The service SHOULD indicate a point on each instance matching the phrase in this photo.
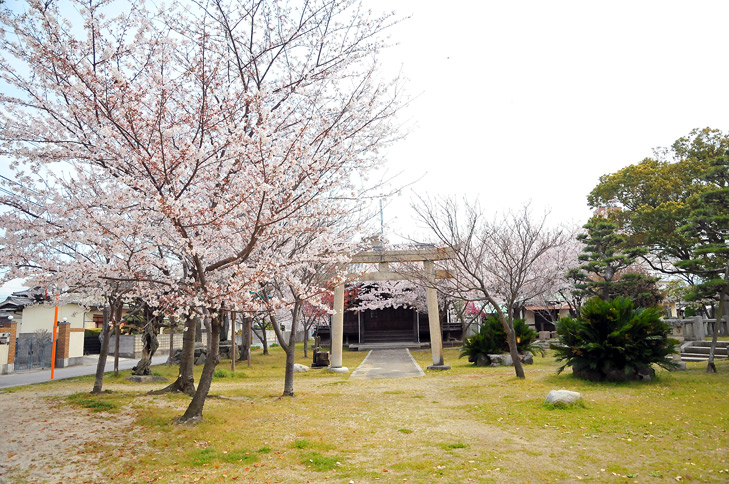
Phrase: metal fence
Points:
(33, 351)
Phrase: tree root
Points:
(176, 386)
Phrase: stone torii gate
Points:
(384, 257)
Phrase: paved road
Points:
(395, 363)
(88, 368)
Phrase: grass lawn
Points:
(464, 425)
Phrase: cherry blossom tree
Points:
(315, 266)
(496, 262)
(555, 266)
(52, 239)
(219, 128)
(391, 294)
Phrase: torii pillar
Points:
(436, 337)
(338, 331)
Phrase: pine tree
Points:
(604, 257)
(708, 225)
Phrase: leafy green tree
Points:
(653, 197)
(611, 340)
(657, 198)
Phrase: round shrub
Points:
(611, 340)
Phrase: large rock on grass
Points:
(563, 398)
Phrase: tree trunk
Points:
(510, 339)
(514, 351)
(723, 308)
(249, 326)
(104, 351)
(264, 340)
(711, 365)
(117, 336)
(306, 342)
(185, 382)
(289, 347)
(173, 323)
(225, 326)
(149, 347)
(246, 339)
(233, 343)
(194, 410)
(289, 378)
(198, 330)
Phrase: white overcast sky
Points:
(533, 100)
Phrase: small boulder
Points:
(495, 360)
(527, 358)
(201, 359)
(298, 368)
(645, 373)
(506, 360)
(562, 398)
(483, 360)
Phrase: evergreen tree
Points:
(604, 257)
(708, 226)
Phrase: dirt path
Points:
(45, 441)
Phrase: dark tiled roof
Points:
(20, 299)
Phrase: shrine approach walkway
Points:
(387, 363)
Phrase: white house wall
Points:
(40, 317)
(76, 345)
